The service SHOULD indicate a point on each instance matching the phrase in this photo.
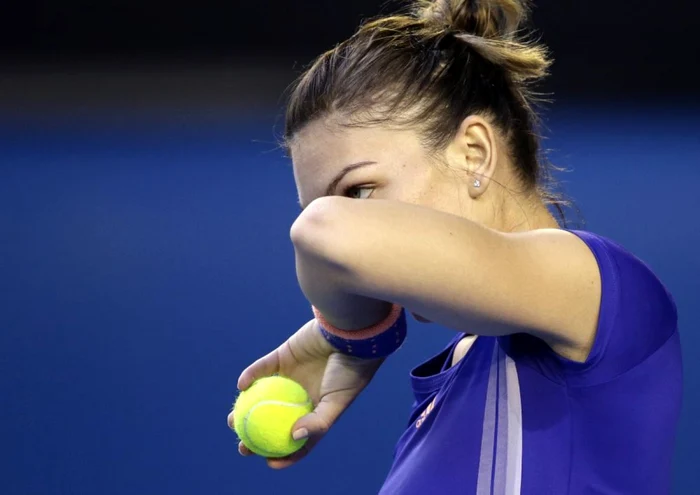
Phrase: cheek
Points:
(416, 184)
(446, 196)
(431, 194)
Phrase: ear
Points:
(475, 151)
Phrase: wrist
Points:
(375, 341)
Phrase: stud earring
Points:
(477, 183)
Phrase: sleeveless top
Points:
(513, 417)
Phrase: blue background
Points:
(145, 263)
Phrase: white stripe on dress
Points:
(483, 482)
(500, 472)
(502, 428)
(515, 430)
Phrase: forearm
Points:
(323, 280)
(322, 284)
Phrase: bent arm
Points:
(355, 257)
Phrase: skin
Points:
(412, 228)
(405, 171)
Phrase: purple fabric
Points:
(514, 417)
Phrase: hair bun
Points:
(491, 19)
(493, 29)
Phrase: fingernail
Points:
(300, 434)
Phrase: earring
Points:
(477, 183)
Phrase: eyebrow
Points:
(339, 176)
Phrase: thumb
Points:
(319, 421)
(312, 426)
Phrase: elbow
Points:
(312, 232)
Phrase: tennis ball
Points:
(265, 413)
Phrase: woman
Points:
(416, 161)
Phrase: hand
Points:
(332, 379)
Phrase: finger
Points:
(316, 423)
(230, 421)
(243, 450)
(285, 462)
(265, 366)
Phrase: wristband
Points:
(377, 341)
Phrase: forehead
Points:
(315, 149)
(322, 149)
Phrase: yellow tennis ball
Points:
(265, 413)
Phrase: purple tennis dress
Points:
(513, 417)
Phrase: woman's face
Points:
(383, 163)
(378, 163)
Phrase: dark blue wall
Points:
(144, 265)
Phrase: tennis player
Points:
(416, 158)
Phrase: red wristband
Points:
(365, 333)
(377, 341)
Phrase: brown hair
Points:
(431, 67)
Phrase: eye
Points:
(358, 192)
